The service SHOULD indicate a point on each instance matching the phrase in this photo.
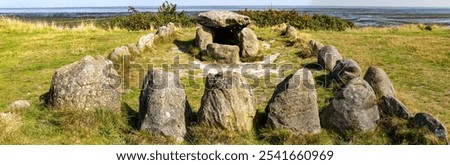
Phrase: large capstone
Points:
(222, 19)
(328, 56)
(91, 83)
(354, 108)
(379, 81)
(249, 43)
(228, 103)
(163, 107)
(226, 28)
(224, 54)
(293, 105)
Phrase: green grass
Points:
(417, 61)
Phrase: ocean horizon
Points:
(361, 16)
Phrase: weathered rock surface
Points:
(224, 54)
(290, 31)
(221, 19)
(328, 56)
(91, 83)
(391, 106)
(228, 102)
(145, 42)
(163, 107)
(249, 43)
(133, 50)
(379, 81)
(345, 70)
(316, 46)
(354, 108)
(119, 53)
(172, 27)
(294, 106)
(204, 36)
(163, 31)
(428, 121)
(19, 105)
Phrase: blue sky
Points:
(78, 3)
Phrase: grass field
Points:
(417, 61)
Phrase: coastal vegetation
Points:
(268, 18)
(167, 12)
(136, 20)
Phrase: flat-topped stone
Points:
(222, 19)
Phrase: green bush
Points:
(146, 20)
(167, 13)
(272, 17)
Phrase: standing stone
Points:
(354, 108)
(345, 70)
(328, 56)
(19, 105)
(316, 46)
(172, 27)
(163, 107)
(118, 54)
(163, 31)
(428, 121)
(133, 50)
(249, 43)
(293, 105)
(91, 83)
(391, 106)
(224, 54)
(379, 81)
(204, 36)
(145, 42)
(221, 19)
(228, 102)
(290, 31)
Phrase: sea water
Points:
(361, 16)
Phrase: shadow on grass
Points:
(323, 81)
(304, 54)
(132, 116)
(188, 46)
(313, 66)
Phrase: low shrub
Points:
(146, 20)
(167, 13)
(272, 17)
